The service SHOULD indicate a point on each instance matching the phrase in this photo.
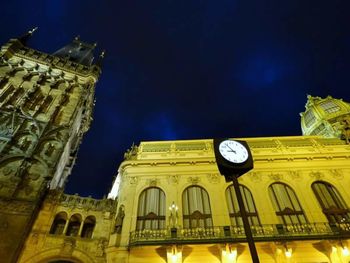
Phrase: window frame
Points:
(142, 218)
(287, 212)
(335, 214)
(200, 218)
(236, 215)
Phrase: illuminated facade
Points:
(45, 108)
(178, 208)
(168, 202)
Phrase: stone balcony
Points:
(233, 234)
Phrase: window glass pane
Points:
(309, 118)
(151, 209)
(196, 207)
(286, 204)
(294, 201)
(233, 206)
(329, 106)
(331, 202)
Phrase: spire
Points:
(27, 35)
(100, 58)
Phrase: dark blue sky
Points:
(192, 69)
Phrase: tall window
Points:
(286, 204)
(88, 227)
(151, 209)
(196, 208)
(233, 207)
(58, 224)
(333, 205)
(74, 225)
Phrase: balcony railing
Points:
(218, 234)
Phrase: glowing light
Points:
(345, 251)
(232, 255)
(173, 207)
(334, 249)
(288, 253)
(174, 258)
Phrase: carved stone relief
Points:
(35, 238)
(68, 246)
(152, 182)
(316, 175)
(276, 176)
(193, 180)
(213, 178)
(295, 175)
(16, 207)
(173, 179)
(255, 176)
(101, 245)
(133, 180)
(337, 173)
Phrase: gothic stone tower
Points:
(46, 102)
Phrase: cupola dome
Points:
(328, 117)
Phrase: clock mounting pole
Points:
(244, 216)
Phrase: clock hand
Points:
(231, 149)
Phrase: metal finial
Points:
(27, 35)
(100, 58)
(102, 55)
(33, 30)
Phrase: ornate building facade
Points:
(168, 202)
(45, 108)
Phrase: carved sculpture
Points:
(119, 220)
(346, 129)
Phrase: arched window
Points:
(58, 224)
(88, 227)
(286, 204)
(233, 207)
(151, 209)
(73, 225)
(333, 205)
(196, 208)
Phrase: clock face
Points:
(233, 151)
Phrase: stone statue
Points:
(119, 220)
(131, 153)
(346, 129)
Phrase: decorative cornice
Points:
(16, 207)
(76, 201)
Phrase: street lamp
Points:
(173, 219)
(173, 214)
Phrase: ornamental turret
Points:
(327, 117)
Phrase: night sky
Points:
(191, 69)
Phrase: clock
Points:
(233, 151)
(233, 157)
